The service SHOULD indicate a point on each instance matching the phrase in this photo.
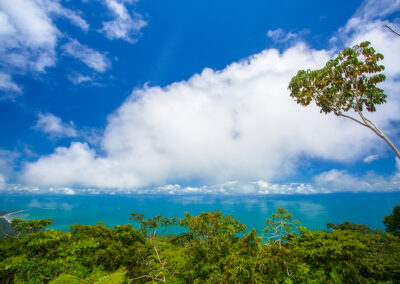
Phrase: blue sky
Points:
(186, 97)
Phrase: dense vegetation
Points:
(215, 249)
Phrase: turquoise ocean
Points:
(313, 211)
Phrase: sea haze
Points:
(313, 211)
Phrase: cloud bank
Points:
(238, 123)
(235, 124)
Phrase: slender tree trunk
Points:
(369, 124)
(379, 132)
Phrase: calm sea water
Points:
(313, 211)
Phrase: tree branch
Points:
(392, 30)
(352, 118)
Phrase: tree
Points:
(392, 222)
(350, 226)
(280, 225)
(149, 228)
(356, 257)
(32, 226)
(346, 83)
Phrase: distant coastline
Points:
(6, 215)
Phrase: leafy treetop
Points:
(344, 83)
(347, 82)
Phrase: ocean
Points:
(313, 211)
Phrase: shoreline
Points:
(7, 218)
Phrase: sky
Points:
(187, 97)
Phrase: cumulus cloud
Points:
(53, 125)
(238, 123)
(92, 58)
(235, 124)
(125, 25)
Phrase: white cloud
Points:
(78, 79)
(371, 158)
(54, 7)
(340, 181)
(239, 123)
(236, 124)
(92, 58)
(52, 125)
(29, 37)
(373, 9)
(6, 28)
(124, 26)
(8, 87)
(235, 188)
(280, 36)
(7, 164)
(27, 189)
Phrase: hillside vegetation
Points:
(216, 248)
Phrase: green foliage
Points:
(392, 221)
(150, 226)
(68, 279)
(159, 271)
(39, 256)
(357, 258)
(210, 239)
(32, 226)
(117, 277)
(280, 225)
(346, 82)
(335, 277)
(215, 249)
(350, 226)
(209, 226)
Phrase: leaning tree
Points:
(347, 82)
